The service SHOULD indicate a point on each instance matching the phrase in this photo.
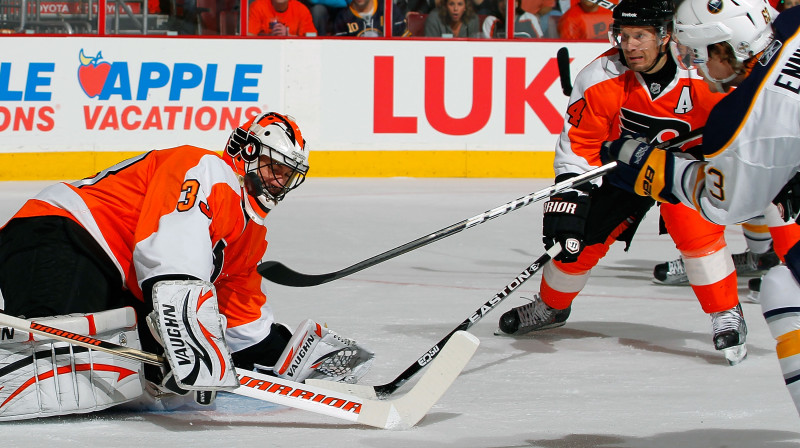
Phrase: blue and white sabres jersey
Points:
(752, 137)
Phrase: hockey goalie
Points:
(158, 253)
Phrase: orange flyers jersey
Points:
(167, 212)
(608, 99)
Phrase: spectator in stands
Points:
(526, 25)
(456, 18)
(585, 20)
(784, 4)
(482, 7)
(323, 12)
(280, 18)
(425, 6)
(364, 18)
(548, 12)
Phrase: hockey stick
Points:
(384, 390)
(400, 413)
(281, 274)
(81, 340)
(562, 57)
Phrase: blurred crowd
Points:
(533, 19)
(583, 20)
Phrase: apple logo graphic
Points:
(92, 74)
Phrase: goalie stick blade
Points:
(329, 398)
(444, 369)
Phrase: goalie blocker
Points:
(186, 321)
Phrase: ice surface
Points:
(633, 368)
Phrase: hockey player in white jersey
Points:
(751, 142)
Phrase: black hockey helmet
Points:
(655, 13)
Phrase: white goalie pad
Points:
(40, 377)
(318, 353)
(187, 322)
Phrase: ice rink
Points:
(633, 368)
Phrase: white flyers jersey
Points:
(609, 99)
(752, 137)
(174, 211)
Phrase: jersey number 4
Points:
(575, 112)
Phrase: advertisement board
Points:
(380, 105)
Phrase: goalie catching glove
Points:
(316, 352)
(565, 221)
(642, 168)
(187, 323)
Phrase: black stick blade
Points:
(562, 57)
(279, 273)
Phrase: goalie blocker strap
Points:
(187, 322)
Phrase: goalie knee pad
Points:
(40, 377)
(317, 352)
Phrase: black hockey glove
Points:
(564, 221)
(788, 200)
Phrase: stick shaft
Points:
(79, 339)
(279, 273)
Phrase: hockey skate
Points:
(749, 264)
(670, 273)
(533, 316)
(730, 334)
(754, 289)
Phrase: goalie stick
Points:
(281, 274)
(400, 413)
(387, 389)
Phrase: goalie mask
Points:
(270, 157)
(745, 25)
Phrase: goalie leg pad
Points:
(187, 322)
(317, 352)
(40, 377)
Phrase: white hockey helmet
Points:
(746, 25)
(271, 143)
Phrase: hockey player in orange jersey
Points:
(176, 235)
(634, 88)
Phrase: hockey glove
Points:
(788, 200)
(642, 168)
(564, 221)
(318, 353)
